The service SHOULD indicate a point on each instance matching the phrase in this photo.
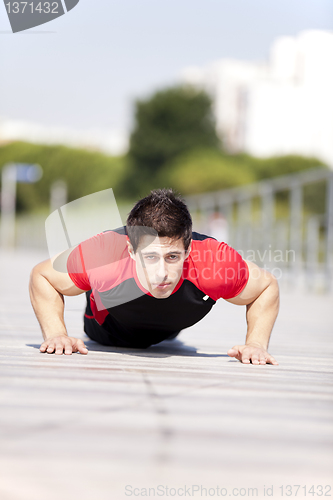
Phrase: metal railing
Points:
(298, 248)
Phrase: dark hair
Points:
(161, 212)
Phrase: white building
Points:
(283, 106)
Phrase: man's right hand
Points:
(63, 344)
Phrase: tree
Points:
(167, 124)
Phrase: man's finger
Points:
(79, 346)
(272, 360)
(43, 347)
(68, 347)
(234, 351)
(59, 348)
(262, 359)
(245, 357)
(50, 348)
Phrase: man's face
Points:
(159, 264)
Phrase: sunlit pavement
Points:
(178, 419)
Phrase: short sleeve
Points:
(97, 260)
(217, 269)
(76, 269)
(235, 272)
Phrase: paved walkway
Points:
(179, 414)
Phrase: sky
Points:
(85, 69)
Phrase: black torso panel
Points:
(180, 310)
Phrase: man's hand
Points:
(261, 297)
(250, 352)
(47, 288)
(63, 344)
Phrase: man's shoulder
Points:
(203, 245)
(100, 250)
(201, 237)
(105, 239)
(206, 249)
(119, 230)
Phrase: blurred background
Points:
(228, 102)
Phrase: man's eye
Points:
(173, 257)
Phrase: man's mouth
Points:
(161, 286)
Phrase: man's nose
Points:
(162, 270)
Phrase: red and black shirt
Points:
(102, 264)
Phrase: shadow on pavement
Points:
(163, 349)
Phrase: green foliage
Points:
(85, 172)
(204, 170)
(167, 124)
(266, 168)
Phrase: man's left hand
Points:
(251, 353)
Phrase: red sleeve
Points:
(86, 265)
(235, 272)
(217, 269)
(76, 269)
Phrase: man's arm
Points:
(261, 297)
(47, 288)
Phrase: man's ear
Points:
(187, 253)
(130, 249)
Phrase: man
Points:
(146, 282)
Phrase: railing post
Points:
(296, 219)
(244, 216)
(312, 251)
(8, 202)
(281, 246)
(225, 207)
(329, 234)
(268, 219)
(206, 208)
